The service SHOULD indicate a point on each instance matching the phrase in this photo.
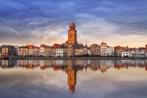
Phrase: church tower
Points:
(72, 35)
(72, 39)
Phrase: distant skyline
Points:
(116, 22)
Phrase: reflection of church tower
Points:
(146, 68)
(71, 76)
(72, 39)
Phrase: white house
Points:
(105, 50)
(59, 52)
(133, 53)
(138, 53)
(45, 50)
(126, 54)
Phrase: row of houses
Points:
(134, 53)
(102, 50)
(57, 50)
(61, 50)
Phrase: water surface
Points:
(73, 78)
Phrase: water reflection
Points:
(72, 67)
(102, 65)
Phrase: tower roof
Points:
(72, 24)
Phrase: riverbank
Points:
(78, 58)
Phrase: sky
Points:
(116, 22)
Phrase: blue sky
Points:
(46, 21)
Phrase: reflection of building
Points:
(71, 76)
(72, 67)
(146, 68)
(72, 39)
(7, 64)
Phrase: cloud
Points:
(46, 21)
(99, 29)
(50, 35)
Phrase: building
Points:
(146, 50)
(0, 55)
(72, 35)
(103, 49)
(126, 54)
(28, 50)
(72, 39)
(82, 52)
(118, 50)
(133, 52)
(140, 52)
(33, 50)
(59, 52)
(23, 51)
(95, 50)
(106, 50)
(146, 47)
(46, 51)
(8, 50)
